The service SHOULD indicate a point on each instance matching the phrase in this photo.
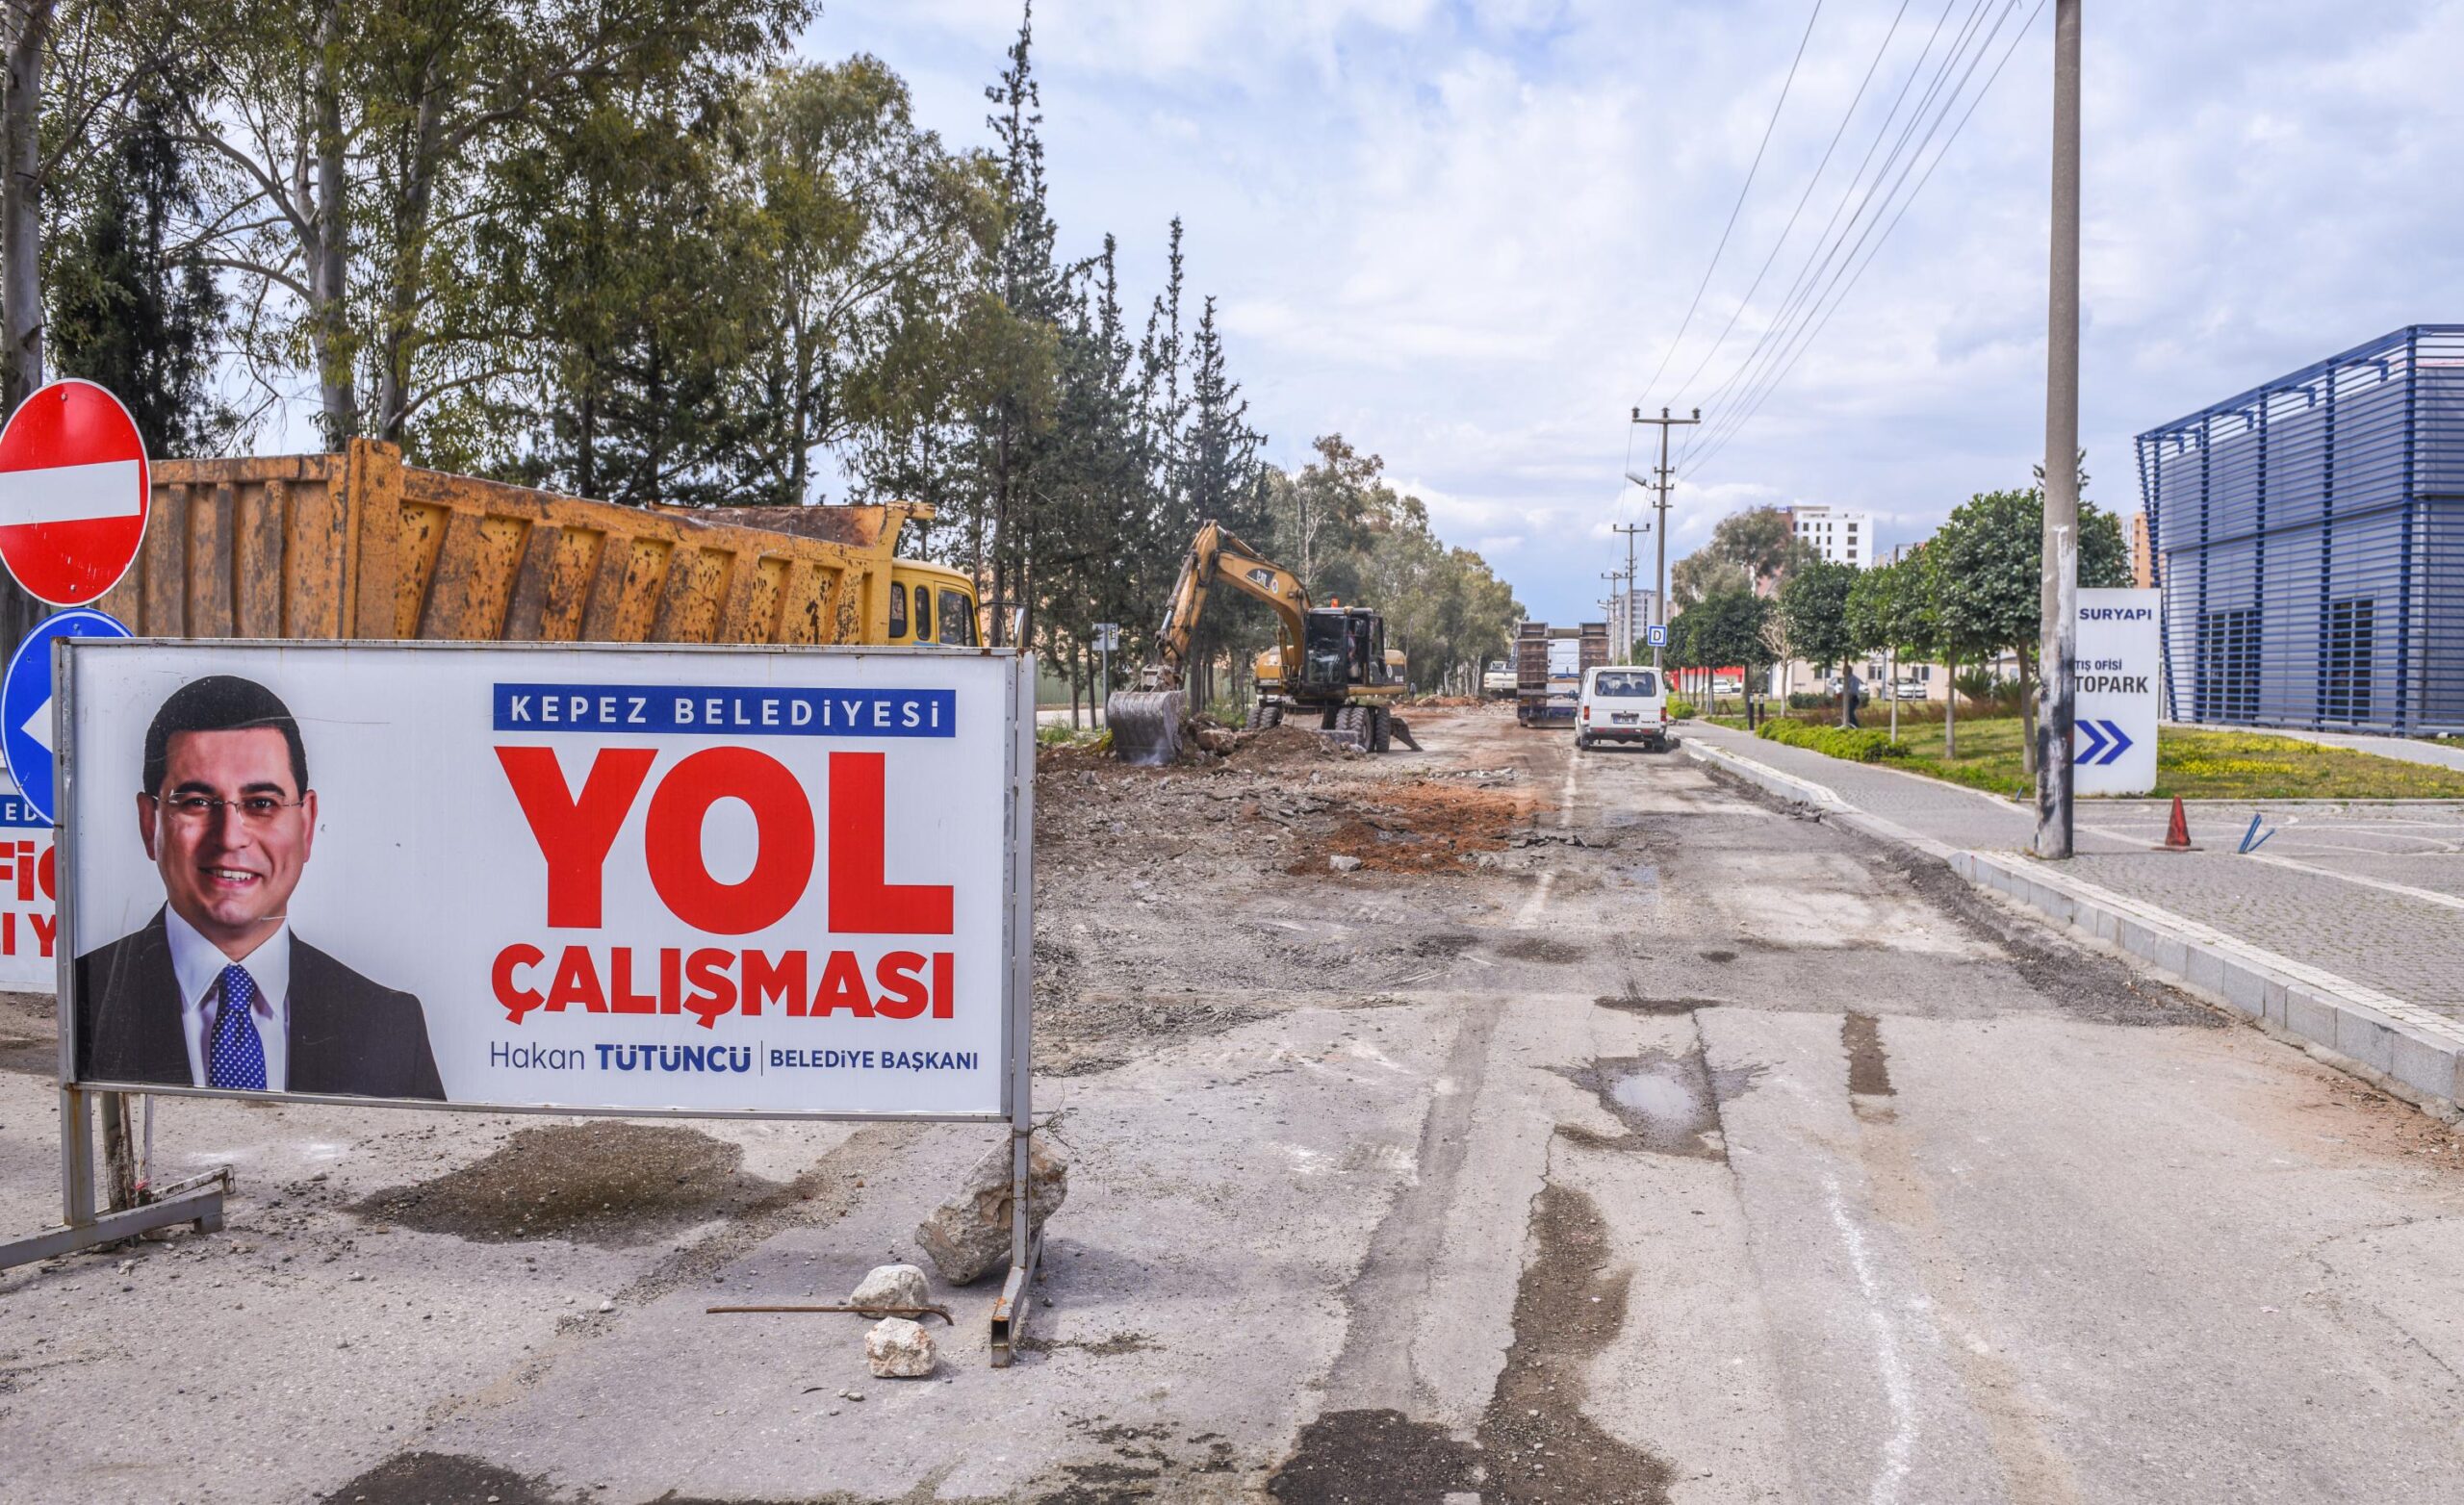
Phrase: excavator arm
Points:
(1214, 555)
(1146, 722)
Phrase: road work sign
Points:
(27, 881)
(73, 493)
(669, 879)
(2120, 663)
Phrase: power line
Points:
(1820, 275)
(1802, 199)
(1977, 99)
(1819, 255)
(1733, 210)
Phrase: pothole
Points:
(1669, 1105)
(1868, 1063)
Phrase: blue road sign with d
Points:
(25, 702)
(1655, 635)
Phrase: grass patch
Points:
(2197, 764)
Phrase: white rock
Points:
(898, 1349)
(891, 1286)
(1343, 864)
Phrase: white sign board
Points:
(26, 884)
(2119, 666)
(701, 880)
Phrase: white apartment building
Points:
(1629, 612)
(1837, 536)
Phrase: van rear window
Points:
(1626, 682)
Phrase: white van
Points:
(1621, 704)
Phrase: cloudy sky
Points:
(1466, 235)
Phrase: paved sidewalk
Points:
(2372, 893)
(2411, 750)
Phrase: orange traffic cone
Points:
(2177, 836)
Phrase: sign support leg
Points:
(199, 1203)
(1017, 1292)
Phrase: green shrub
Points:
(1681, 710)
(1871, 745)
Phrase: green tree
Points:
(1986, 586)
(131, 307)
(1736, 628)
(1813, 618)
(353, 139)
(863, 220)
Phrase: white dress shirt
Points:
(199, 963)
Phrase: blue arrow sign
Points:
(25, 702)
(2106, 742)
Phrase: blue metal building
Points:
(2309, 540)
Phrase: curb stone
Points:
(2404, 1050)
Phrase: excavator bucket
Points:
(1146, 726)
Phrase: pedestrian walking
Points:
(1851, 689)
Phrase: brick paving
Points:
(2320, 911)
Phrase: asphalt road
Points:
(1678, 1149)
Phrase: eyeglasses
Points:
(194, 809)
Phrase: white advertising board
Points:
(2119, 667)
(701, 880)
(26, 884)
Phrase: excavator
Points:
(1330, 662)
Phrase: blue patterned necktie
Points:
(238, 1060)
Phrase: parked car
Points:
(1621, 705)
(1909, 689)
(1498, 681)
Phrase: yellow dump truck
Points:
(358, 545)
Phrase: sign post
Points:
(1107, 636)
(2121, 660)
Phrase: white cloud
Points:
(1462, 235)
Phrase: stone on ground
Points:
(898, 1349)
(891, 1286)
(968, 1235)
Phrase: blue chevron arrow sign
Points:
(2106, 742)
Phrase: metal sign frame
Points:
(198, 1200)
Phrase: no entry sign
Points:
(73, 493)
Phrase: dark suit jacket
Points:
(347, 1034)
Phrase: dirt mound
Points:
(1418, 827)
(611, 1184)
(1281, 746)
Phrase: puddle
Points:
(1718, 956)
(610, 1184)
(1669, 1105)
(1868, 1063)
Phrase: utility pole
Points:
(2058, 581)
(1660, 578)
(1629, 530)
(1620, 606)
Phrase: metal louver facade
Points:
(2309, 539)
